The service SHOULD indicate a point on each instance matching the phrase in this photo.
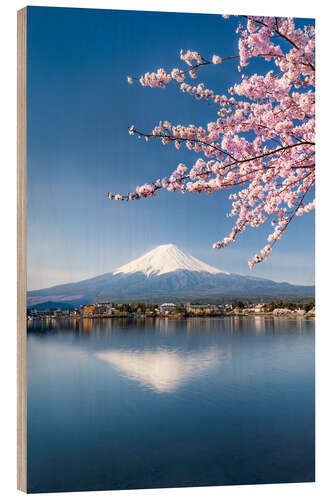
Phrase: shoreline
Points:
(174, 316)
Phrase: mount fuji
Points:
(161, 274)
(166, 259)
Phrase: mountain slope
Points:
(165, 272)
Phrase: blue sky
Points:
(79, 109)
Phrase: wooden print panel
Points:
(21, 249)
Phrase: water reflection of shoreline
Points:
(227, 325)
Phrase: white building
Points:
(281, 312)
(167, 308)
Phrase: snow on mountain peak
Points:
(166, 259)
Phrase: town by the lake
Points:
(106, 309)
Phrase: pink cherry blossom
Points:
(216, 59)
(262, 142)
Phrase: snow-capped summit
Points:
(166, 259)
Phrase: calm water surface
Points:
(119, 404)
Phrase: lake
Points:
(126, 403)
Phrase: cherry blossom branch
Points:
(268, 248)
(213, 146)
(172, 138)
(261, 109)
(278, 32)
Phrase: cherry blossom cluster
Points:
(263, 138)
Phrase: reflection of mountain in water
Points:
(161, 370)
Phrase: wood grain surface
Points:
(21, 249)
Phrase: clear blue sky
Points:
(79, 110)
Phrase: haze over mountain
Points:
(165, 273)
